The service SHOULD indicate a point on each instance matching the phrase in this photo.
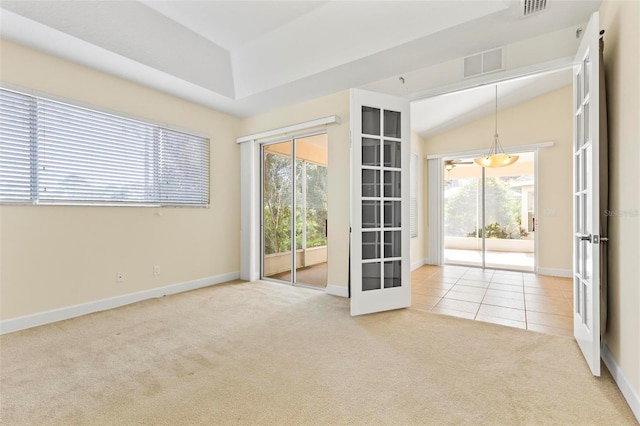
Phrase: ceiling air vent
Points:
(530, 7)
(483, 63)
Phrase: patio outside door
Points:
(294, 211)
(489, 214)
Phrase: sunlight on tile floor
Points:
(516, 299)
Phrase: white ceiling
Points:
(245, 57)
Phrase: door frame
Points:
(250, 189)
(517, 149)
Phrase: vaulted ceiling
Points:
(244, 57)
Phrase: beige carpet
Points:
(264, 353)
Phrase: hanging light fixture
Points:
(496, 157)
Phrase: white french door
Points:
(586, 178)
(380, 153)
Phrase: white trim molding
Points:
(416, 265)
(625, 386)
(41, 318)
(497, 77)
(565, 273)
(479, 152)
(332, 119)
(337, 290)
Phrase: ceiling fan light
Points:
(496, 160)
(510, 159)
(483, 161)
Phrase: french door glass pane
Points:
(381, 180)
(392, 274)
(370, 152)
(392, 124)
(392, 244)
(392, 157)
(370, 214)
(370, 121)
(586, 76)
(371, 245)
(370, 183)
(371, 276)
(578, 87)
(392, 217)
(392, 185)
(579, 128)
(586, 123)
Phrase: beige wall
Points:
(418, 243)
(621, 20)
(57, 256)
(338, 169)
(542, 119)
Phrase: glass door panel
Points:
(294, 211)
(463, 213)
(381, 199)
(489, 214)
(311, 211)
(277, 206)
(510, 215)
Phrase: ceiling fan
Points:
(450, 164)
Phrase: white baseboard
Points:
(565, 273)
(33, 320)
(417, 264)
(625, 386)
(427, 261)
(337, 290)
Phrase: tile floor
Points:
(516, 299)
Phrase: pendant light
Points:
(496, 157)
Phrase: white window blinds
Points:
(17, 154)
(56, 153)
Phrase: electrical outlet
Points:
(156, 269)
(119, 277)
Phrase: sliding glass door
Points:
(294, 211)
(489, 214)
(463, 192)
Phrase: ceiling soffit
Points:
(247, 47)
(245, 57)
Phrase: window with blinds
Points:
(56, 153)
